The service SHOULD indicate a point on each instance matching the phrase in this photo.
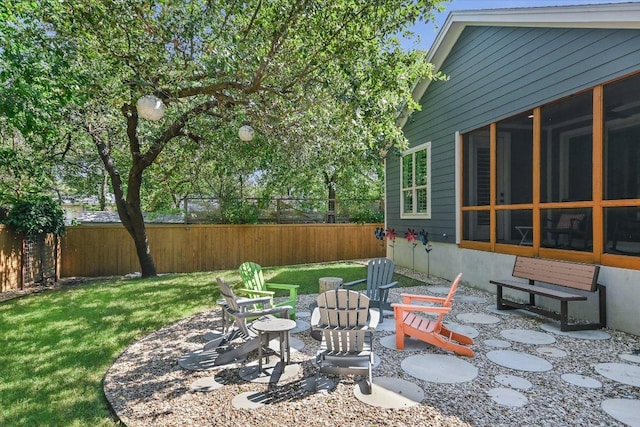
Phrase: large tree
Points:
(297, 71)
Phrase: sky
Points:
(429, 30)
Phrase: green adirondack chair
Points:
(255, 286)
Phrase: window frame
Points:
(598, 204)
(413, 188)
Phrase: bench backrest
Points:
(561, 273)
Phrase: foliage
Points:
(367, 216)
(321, 82)
(33, 215)
(79, 331)
(239, 212)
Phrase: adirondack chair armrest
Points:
(421, 308)
(388, 286)
(407, 298)
(281, 285)
(252, 292)
(243, 302)
(374, 319)
(355, 282)
(283, 311)
(315, 317)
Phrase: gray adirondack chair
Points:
(238, 339)
(347, 325)
(379, 281)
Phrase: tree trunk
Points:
(130, 213)
(330, 182)
(129, 208)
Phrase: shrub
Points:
(36, 215)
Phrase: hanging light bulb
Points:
(150, 107)
(246, 133)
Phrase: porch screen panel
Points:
(477, 184)
(622, 166)
(567, 150)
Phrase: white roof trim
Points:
(610, 15)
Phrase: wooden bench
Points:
(566, 275)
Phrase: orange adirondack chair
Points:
(431, 331)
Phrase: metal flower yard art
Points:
(390, 234)
(424, 238)
(411, 237)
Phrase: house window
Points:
(416, 182)
(559, 181)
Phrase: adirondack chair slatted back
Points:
(379, 272)
(232, 306)
(347, 312)
(252, 277)
(448, 302)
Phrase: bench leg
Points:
(499, 300)
(602, 305)
(564, 316)
(499, 304)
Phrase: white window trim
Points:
(414, 215)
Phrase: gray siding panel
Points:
(496, 72)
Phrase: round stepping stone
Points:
(514, 381)
(492, 309)
(620, 372)
(498, 343)
(470, 299)
(295, 344)
(301, 326)
(591, 334)
(272, 372)
(250, 400)
(319, 385)
(551, 351)
(212, 335)
(410, 344)
(443, 290)
(633, 358)
(388, 326)
(391, 393)
(519, 361)
(581, 380)
(303, 314)
(508, 397)
(462, 329)
(626, 411)
(203, 360)
(477, 318)
(439, 368)
(205, 384)
(527, 336)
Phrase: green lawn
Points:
(57, 345)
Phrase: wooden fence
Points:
(10, 256)
(105, 250)
(27, 261)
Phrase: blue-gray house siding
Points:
(494, 73)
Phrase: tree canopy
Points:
(321, 82)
